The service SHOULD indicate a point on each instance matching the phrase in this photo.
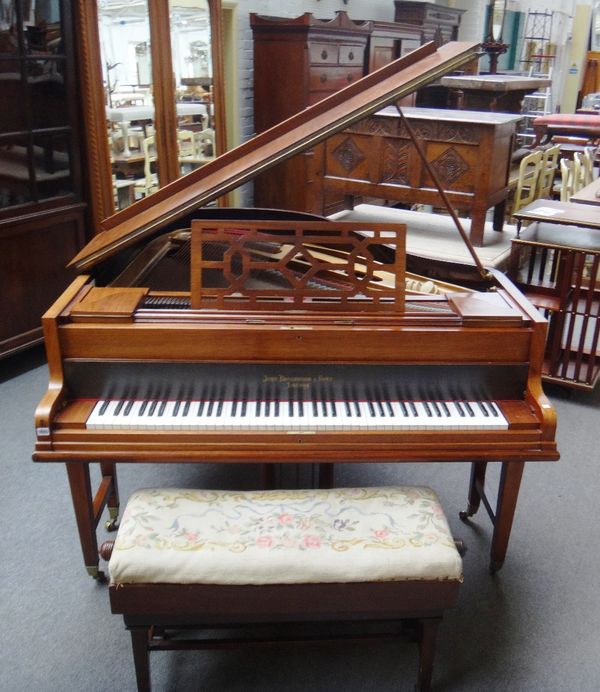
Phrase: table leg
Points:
(499, 212)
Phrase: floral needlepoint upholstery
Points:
(284, 537)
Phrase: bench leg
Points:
(141, 658)
(427, 637)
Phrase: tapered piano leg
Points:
(109, 471)
(508, 492)
(476, 483)
(83, 503)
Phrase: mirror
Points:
(595, 38)
(145, 153)
(193, 70)
(497, 13)
(493, 46)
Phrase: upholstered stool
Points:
(203, 558)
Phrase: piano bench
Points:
(198, 559)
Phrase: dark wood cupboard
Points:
(299, 61)
(41, 205)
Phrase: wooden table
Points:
(590, 194)
(491, 92)
(562, 213)
(131, 166)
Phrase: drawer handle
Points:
(351, 55)
(324, 55)
(323, 78)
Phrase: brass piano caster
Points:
(96, 573)
(468, 513)
(112, 524)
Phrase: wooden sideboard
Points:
(375, 158)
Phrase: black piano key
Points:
(413, 408)
(324, 408)
(209, 408)
(143, 407)
(118, 407)
(380, 409)
(348, 409)
(403, 407)
(371, 408)
(290, 405)
(244, 408)
(162, 407)
(128, 407)
(390, 410)
(276, 407)
(200, 407)
(483, 408)
(427, 409)
(436, 409)
(176, 407)
(152, 407)
(104, 407)
(186, 408)
(469, 409)
(333, 409)
(445, 409)
(267, 408)
(495, 411)
(357, 409)
(460, 409)
(219, 408)
(234, 404)
(315, 408)
(257, 412)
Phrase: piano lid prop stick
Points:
(484, 273)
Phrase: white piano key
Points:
(308, 415)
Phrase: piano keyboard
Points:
(294, 416)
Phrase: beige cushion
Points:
(283, 537)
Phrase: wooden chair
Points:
(579, 172)
(527, 181)
(209, 559)
(547, 172)
(565, 187)
(588, 160)
(149, 183)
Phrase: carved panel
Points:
(348, 155)
(395, 162)
(294, 265)
(450, 166)
(375, 126)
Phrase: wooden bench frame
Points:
(150, 609)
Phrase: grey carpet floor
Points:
(534, 626)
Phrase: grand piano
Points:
(154, 358)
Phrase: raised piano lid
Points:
(290, 137)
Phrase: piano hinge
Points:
(256, 321)
(343, 322)
(42, 432)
